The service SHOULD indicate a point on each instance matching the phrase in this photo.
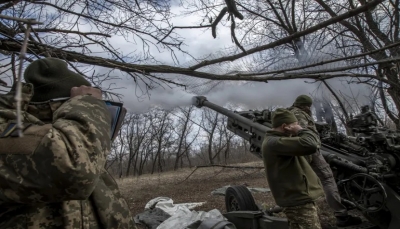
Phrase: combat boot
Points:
(273, 210)
(345, 221)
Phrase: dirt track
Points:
(198, 187)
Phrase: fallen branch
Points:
(223, 166)
(232, 167)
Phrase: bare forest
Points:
(159, 141)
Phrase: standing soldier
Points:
(293, 183)
(302, 110)
(54, 176)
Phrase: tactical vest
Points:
(8, 125)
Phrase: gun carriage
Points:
(366, 167)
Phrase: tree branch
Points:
(329, 61)
(287, 39)
(54, 30)
(23, 20)
(13, 46)
(338, 100)
(183, 27)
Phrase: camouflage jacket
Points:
(54, 176)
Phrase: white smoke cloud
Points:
(252, 95)
(163, 98)
(248, 95)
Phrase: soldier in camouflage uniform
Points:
(293, 183)
(54, 176)
(302, 110)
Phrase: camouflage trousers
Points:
(324, 173)
(303, 216)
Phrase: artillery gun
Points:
(366, 167)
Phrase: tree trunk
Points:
(183, 135)
(131, 155)
(394, 93)
(319, 112)
(329, 116)
(188, 158)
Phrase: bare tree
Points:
(83, 29)
(209, 125)
(162, 125)
(371, 31)
(120, 148)
(185, 126)
(66, 39)
(117, 153)
(150, 142)
(218, 140)
(76, 30)
(229, 137)
(364, 32)
(137, 128)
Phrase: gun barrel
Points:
(200, 101)
(246, 128)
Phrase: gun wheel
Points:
(366, 193)
(239, 198)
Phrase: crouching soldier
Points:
(54, 176)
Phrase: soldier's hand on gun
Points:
(293, 129)
(85, 90)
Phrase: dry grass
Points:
(197, 188)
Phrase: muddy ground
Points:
(182, 188)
